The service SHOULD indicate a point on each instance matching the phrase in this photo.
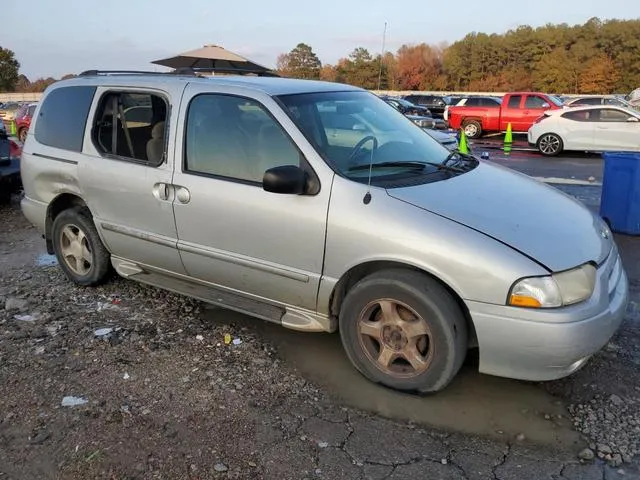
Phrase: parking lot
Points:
(167, 397)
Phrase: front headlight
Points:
(557, 290)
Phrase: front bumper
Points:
(539, 345)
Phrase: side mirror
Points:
(546, 105)
(633, 119)
(287, 179)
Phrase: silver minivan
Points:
(319, 207)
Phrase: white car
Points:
(595, 129)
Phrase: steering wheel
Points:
(360, 144)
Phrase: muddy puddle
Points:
(473, 403)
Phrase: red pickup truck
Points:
(521, 109)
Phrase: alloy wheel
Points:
(76, 250)
(395, 338)
(549, 144)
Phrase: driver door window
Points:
(234, 138)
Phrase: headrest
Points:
(157, 131)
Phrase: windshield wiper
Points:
(406, 164)
(461, 157)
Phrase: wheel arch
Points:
(62, 202)
(356, 273)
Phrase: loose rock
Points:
(586, 454)
(14, 303)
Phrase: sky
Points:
(55, 37)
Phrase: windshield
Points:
(352, 129)
(621, 102)
(556, 101)
(405, 103)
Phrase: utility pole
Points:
(384, 39)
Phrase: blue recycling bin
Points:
(620, 201)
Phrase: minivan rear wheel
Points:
(78, 248)
(404, 330)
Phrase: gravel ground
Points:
(167, 398)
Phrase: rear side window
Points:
(514, 101)
(474, 102)
(581, 116)
(132, 126)
(63, 117)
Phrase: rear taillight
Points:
(540, 118)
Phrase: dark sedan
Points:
(435, 103)
(407, 107)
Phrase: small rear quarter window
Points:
(63, 117)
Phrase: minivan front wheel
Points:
(404, 330)
(78, 248)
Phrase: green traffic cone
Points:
(12, 128)
(463, 147)
(508, 140)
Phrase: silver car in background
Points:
(319, 207)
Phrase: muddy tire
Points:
(78, 248)
(404, 330)
(550, 144)
(472, 128)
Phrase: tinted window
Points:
(514, 101)
(614, 101)
(581, 115)
(610, 115)
(131, 125)
(489, 102)
(533, 101)
(473, 102)
(588, 101)
(63, 117)
(236, 138)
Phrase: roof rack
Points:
(193, 71)
(91, 73)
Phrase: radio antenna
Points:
(367, 196)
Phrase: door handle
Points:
(162, 191)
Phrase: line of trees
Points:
(597, 57)
(11, 80)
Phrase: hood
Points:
(538, 220)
